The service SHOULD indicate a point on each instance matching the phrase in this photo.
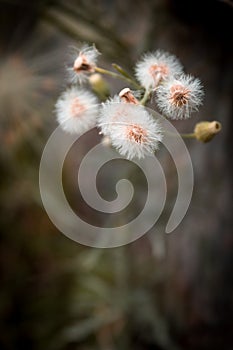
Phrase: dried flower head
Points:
(131, 129)
(177, 98)
(76, 110)
(155, 67)
(127, 96)
(83, 62)
(99, 86)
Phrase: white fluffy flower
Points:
(83, 62)
(109, 113)
(131, 129)
(155, 67)
(76, 110)
(177, 98)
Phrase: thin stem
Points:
(145, 97)
(184, 136)
(116, 75)
(188, 136)
(88, 16)
(125, 74)
(108, 72)
(61, 25)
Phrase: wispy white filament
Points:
(155, 67)
(177, 98)
(87, 55)
(131, 129)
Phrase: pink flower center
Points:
(160, 70)
(81, 64)
(76, 108)
(136, 133)
(179, 95)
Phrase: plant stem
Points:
(145, 97)
(116, 75)
(125, 74)
(184, 136)
(188, 136)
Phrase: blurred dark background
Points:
(162, 292)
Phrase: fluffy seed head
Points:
(83, 62)
(131, 129)
(177, 98)
(109, 114)
(76, 110)
(155, 67)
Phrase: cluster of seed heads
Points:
(123, 119)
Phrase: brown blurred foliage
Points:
(161, 292)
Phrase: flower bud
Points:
(99, 85)
(205, 131)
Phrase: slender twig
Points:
(188, 136)
(74, 13)
(145, 97)
(116, 75)
(184, 136)
(123, 72)
(61, 25)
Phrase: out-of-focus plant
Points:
(55, 294)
